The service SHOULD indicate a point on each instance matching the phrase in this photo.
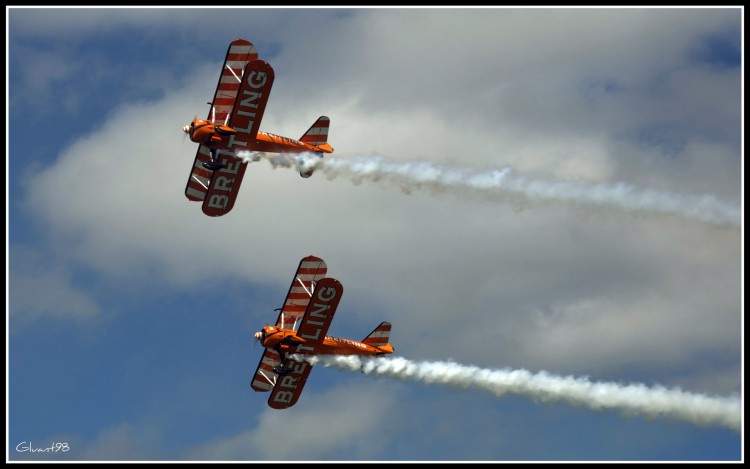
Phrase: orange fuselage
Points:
(220, 137)
(287, 341)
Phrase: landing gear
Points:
(214, 164)
(281, 369)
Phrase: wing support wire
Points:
(309, 293)
(294, 326)
(199, 181)
(235, 75)
(272, 382)
(239, 80)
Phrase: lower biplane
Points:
(232, 126)
(301, 329)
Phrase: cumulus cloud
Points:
(542, 287)
(347, 419)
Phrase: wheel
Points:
(279, 370)
(214, 166)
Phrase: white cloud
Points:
(350, 418)
(38, 289)
(456, 276)
(121, 442)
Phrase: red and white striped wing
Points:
(239, 53)
(311, 269)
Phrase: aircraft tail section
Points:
(379, 337)
(317, 134)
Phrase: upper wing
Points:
(250, 104)
(310, 270)
(239, 53)
(319, 314)
(245, 118)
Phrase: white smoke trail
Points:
(507, 185)
(631, 399)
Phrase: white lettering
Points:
(283, 396)
(218, 201)
(232, 165)
(256, 79)
(223, 183)
(233, 141)
(316, 316)
(327, 294)
(288, 381)
(253, 96)
(304, 348)
(24, 447)
(246, 130)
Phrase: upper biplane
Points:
(233, 125)
(301, 329)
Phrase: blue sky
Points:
(131, 314)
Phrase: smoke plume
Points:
(507, 185)
(631, 399)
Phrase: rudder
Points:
(379, 337)
(317, 134)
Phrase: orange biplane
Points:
(301, 329)
(232, 126)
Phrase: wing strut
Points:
(235, 75)
(199, 182)
(312, 283)
(270, 381)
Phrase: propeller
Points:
(259, 336)
(186, 128)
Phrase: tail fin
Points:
(379, 337)
(317, 135)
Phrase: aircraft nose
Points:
(186, 129)
(257, 335)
